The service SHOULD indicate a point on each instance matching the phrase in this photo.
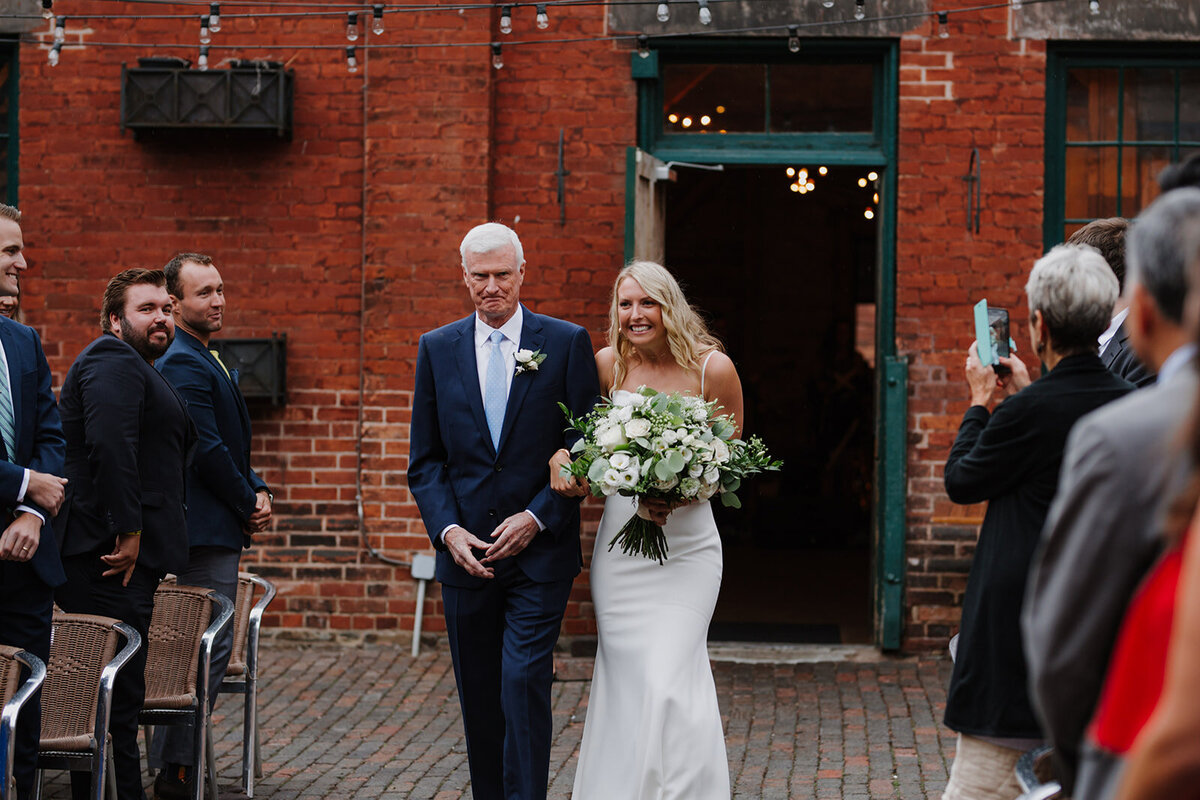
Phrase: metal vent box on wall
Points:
(261, 365)
(166, 94)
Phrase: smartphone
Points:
(998, 333)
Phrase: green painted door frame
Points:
(876, 149)
(10, 52)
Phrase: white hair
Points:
(488, 238)
(1074, 289)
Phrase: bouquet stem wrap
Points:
(641, 536)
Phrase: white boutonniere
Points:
(528, 361)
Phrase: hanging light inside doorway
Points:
(794, 38)
(1016, 5)
(663, 13)
(827, 3)
(705, 12)
(869, 213)
(1094, 7)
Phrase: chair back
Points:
(10, 673)
(81, 646)
(181, 616)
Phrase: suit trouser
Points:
(26, 605)
(213, 568)
(502, 638)
(88, 592)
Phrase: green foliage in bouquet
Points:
(671, 447)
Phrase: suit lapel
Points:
(468, 371)
(531, 339)
(1116, 345)
(225, 380)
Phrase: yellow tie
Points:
(222, 363)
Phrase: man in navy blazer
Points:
(227, 500)
(122, 526)
(484, 426)
(30, 492)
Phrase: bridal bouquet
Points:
(671, 447)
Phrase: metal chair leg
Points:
(148, 733)
(211, 764)
(112, 775)
(37, 785)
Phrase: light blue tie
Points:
(8, 427)
(495, 389)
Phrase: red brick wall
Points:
(345, 238)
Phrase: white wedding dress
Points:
(653, 729)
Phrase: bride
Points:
(653, 729)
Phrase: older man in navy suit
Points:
(30, 492)
(227, 500)
(484, 426)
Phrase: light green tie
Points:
(8, 428)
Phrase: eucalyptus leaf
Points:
(730, 500)
(597, 470)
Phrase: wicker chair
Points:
(14, 693)
(186, 621)
(1035, 774)
(77, 696)
(241, 677)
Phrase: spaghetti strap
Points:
(703, 368)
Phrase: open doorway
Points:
(782, 260)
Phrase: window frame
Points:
(1060, 60)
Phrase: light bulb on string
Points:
(543, 19)
(705, 12)
(351, 27)
(214, 17)
(47, 9)
(202, 62)
(205, 30)
(643, 45)
(943, 21)
(1016, 5)
(506, 19)
(352, 59)
(794, 38)
(60, 30)
(663, 13)
(52, 56)
(377, 19)
(1094, 7)
(860, 12)
(827, 3)
(497, 56)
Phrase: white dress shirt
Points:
(25, 478)
(1111, 331)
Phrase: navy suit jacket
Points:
(455, 473)
(39, 439)
(128, 440)
(221, 487)
(1123, 362)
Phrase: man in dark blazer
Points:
(122, 527)
(227, 501)
(31, 458)
(483, 431)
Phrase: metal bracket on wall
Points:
(974, 179)
(561, 173)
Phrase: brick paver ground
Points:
(372, 722)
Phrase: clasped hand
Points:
(510, 537)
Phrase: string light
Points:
(860, 12)
(644, 46)
(497, 56)
(943, 21)
(377, 19)
(202, 62)
(793, 38)
(214, 17)
(352, 27)
(47, 9)
(705, 13)
(827, 3)
(1016, 5)
(1094, 7)
(506, 19)
(205, 28)
(352, 59)
(543, 19)
(663, 13)
(52, 56)
(60, 30)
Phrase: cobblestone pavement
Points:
(372, 722)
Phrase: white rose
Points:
(620, 461)
(707, 491)
(695, 470)
(712, 475)
(609, 437)
(670, 437)
(622, 414)
(524, 356)
(688, 439)
(626, 399)
(720, 451)
(689, 487)
(637, 399)
(700, 414)
(680, 433)
(637, 428)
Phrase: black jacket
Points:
(1011, 459)
(1123, 362)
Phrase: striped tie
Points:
(8, 426)
(495, 389)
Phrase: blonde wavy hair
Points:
(687, 335)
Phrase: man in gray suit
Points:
(1123, 465)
